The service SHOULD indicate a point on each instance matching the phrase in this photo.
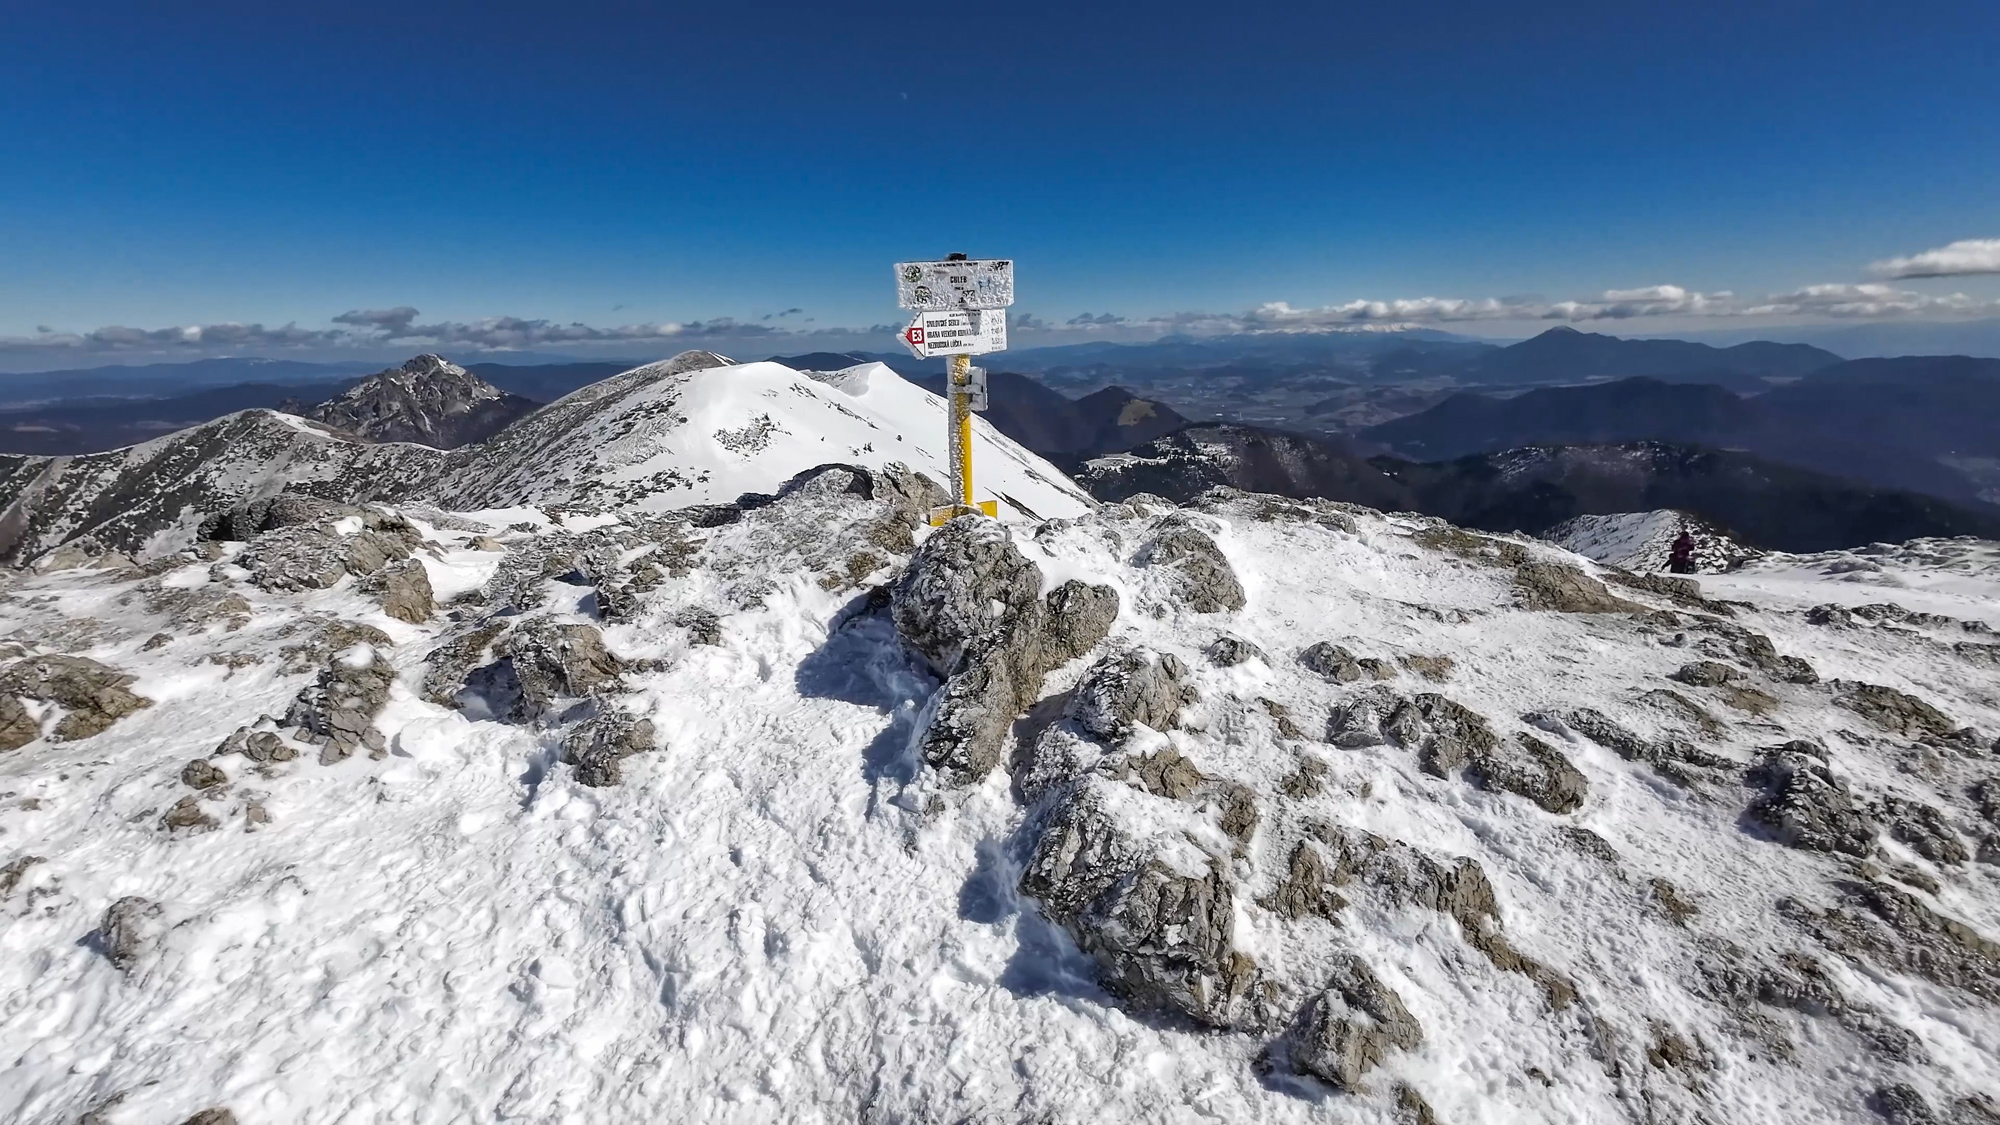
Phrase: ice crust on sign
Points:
(769, 912)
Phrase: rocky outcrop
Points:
(1341, 666)
(1352, 1027)
(1893, 710)
(1203, 580)
(1897, 930)
(315, 556)
(1160, 923)
(970, 604)
(538, 663)
(1533, 769)
(598, 745)
(1136, 687)
(1806, 805)
(129, 930)
(337, 711)
(406, 592)
(92, 696)
(1228, 650)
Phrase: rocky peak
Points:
(428, 399)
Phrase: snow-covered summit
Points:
(700, 431)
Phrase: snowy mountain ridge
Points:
(695, 429)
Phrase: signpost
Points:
(961, 308)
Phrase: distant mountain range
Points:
(1762, 504)
(1887, 422)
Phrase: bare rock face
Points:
(1675, 758)
(1165, 938)
(596, 746)
(970, 605)
(1565, 589)
(1899, 931)
(1204, 580)
(1352, 1026)
(1893, 710)
(1924, 829)
(406, 592)
(1076, 616)
(92, 696)
(1807, 805)
(316, 557)
(1535, 770)
(17, 727)
(130, 928)
(539, 662)
(287, 509)
(337, 711)
(1341, 666)
(960, 586)
(1707, 673)
(1131, 687)
(1228, 650)
(1444, 734)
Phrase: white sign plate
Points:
(956, 333)
(986, 283)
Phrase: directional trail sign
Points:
(985, 283)
(956, 333)
(961, 309)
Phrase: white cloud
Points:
(1960, 259)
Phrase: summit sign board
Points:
(984, 283)
(956, 333)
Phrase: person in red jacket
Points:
(1681, 559)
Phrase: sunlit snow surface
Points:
(759, 925)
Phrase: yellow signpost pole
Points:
(961, 430)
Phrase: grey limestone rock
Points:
(1444, 734)
(1076, 616)
(337, 710)
(959, 585)
(1540, 585)
(200, 774)
(129, 929)
(1352, 1027)
(1204, 580)
(1706, 673)
(1341, 666)
(539, 662)
(1533, 769)
(598, 745)
(406, 592)
(1229, 650)
(1807, 805)
(1893, 710)
(1165, 938)
(1897, 930)
(92, 696)
(1924, 829)
(1133, 687)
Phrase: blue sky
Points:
(1178, 165)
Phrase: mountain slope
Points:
(1767, 505)
(1188, 462)
(1426, 825)
(427, 400)
(149, 498)
(699, 429)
